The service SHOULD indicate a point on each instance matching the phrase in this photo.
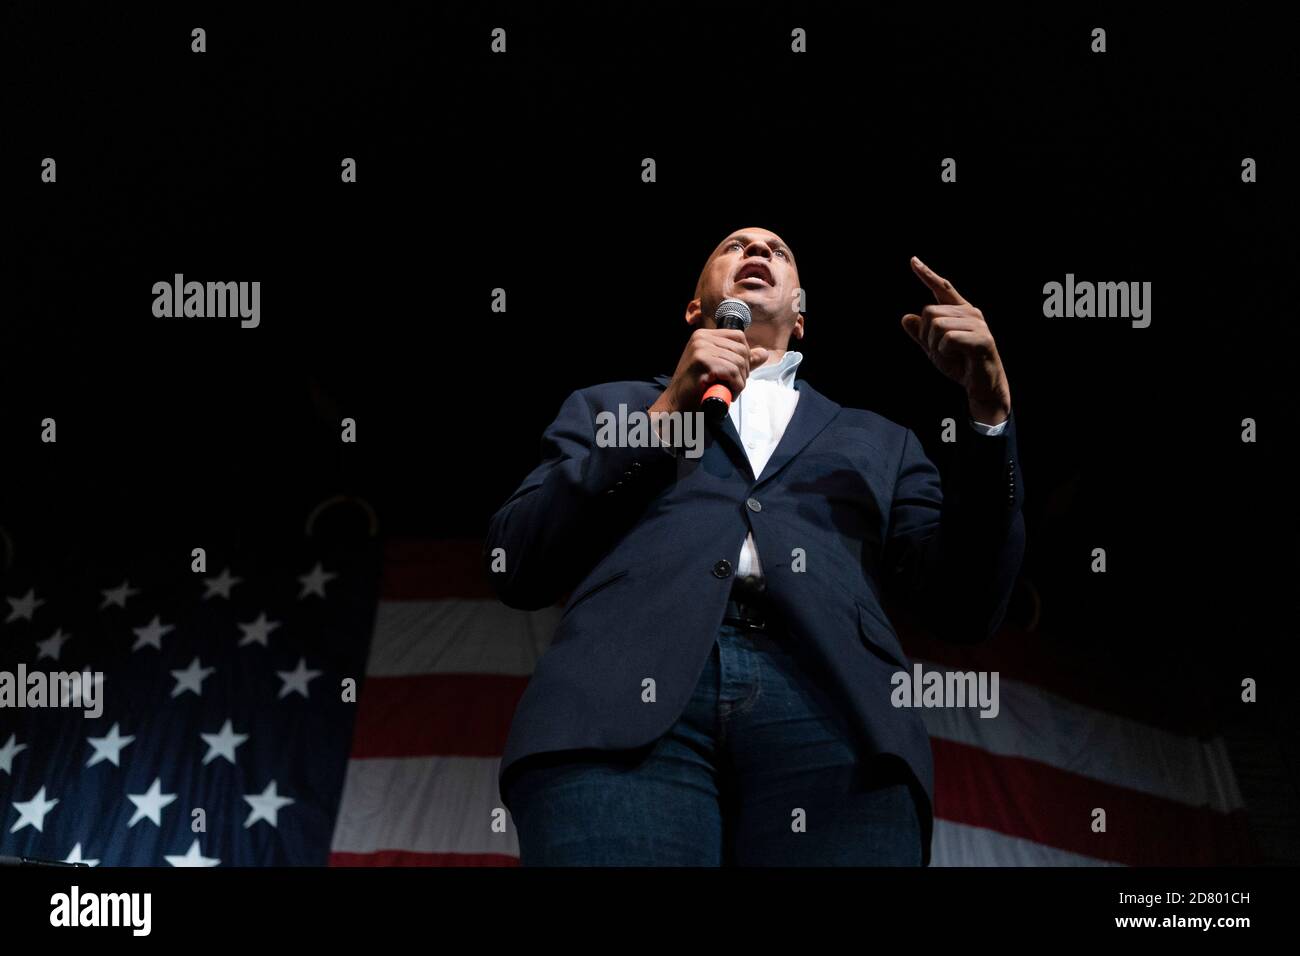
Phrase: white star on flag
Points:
(220, 585)
(108, 748)
(257, 631)
(32, 812)
(295, 681)
(151, 634)
(10, 750)
(116, 597)
(22, 609)
(150, 804)
(313, 582)
(265, 806)
(52, 645)
(76, 857)
(191, 678)
(223, 743)
(193, 857)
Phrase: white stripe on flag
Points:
(1038, 725)
(422, 805)
(458, 636)
(956, 844)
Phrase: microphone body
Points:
(731, 314)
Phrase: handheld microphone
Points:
(731, 314)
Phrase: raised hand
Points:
(957, 340)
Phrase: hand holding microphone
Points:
(714, 365)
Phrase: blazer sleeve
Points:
(955, 546)
(570, 509)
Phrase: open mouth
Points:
(755, 270)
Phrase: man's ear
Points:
(694, 313)
(798, 326)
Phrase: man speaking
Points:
(718, 689)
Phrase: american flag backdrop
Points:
(258, 735)
(224, 733)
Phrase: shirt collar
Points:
(781, 372)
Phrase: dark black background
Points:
(522, 171)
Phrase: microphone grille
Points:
(733, 314)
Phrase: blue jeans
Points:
(763, 738)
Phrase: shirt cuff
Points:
(989, 430)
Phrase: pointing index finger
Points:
(944, 292)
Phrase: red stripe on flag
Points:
(407, 858)
(418, 569)
(981, 789)
(1068, 671)
(462, 715)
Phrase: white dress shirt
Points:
(761, 413)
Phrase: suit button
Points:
(722, 569)
(636, 466)
(753, 505)
(627, 475)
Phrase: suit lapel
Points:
(724, 432)
(812, 413)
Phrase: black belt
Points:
(748, 606)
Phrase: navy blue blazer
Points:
(645, 545)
